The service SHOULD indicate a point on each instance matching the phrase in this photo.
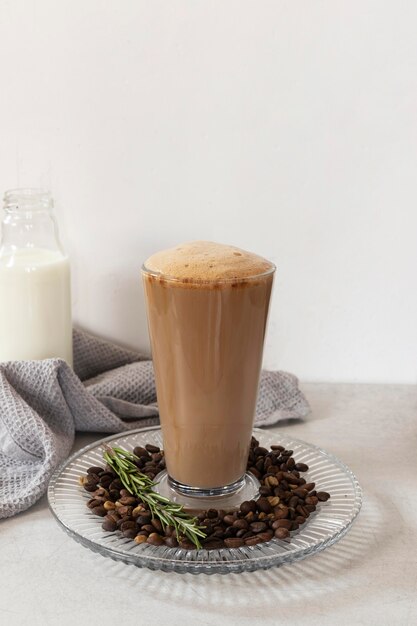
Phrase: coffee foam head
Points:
(206, 261)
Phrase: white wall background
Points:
(288, 128)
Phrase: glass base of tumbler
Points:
(195, 499)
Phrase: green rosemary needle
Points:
(138, 484)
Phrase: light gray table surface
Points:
(369, 577)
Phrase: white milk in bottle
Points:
(35, 291)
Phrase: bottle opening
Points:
(27, 199)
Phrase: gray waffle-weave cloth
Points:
(111, 389)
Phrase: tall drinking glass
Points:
(207, 335)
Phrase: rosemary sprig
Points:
(138, 484)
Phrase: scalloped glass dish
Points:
(331, 521)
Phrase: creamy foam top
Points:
(205, 260)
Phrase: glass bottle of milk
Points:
(35, 291)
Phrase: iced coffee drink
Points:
(207, 310)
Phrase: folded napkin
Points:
(111, 389)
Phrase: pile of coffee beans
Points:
(285, 502)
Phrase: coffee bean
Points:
(109, 525)
(234, 542)
(260, 464)
(266, 536)
(293, 501)
(212, 544)
(209, 528)
(259, 451)
(277, 447)
(116, 484)
(300, 492)
(169, 531)
(143, 519)
(99, 510)
(150, 448)
(207, 522)
(171, 542)
(95, 470)
(301, 467)
(127, 525)
(218, 534)
(113, 515)
(228, 519)
(90, 486)
(108, 472)
(252, 541)
(247, 506)
(139, 452)
(149, 467)
(309, 487)
(282, 523)
(302, 510)
(281, 511)
(282, 533)
(212, 513)
(216, 522)
(109, 505)
(93, 502)
(258, 527)
(240, 524)
(273, 500)
(149, 528)
(114, 494)
(271, 481)
(263, 505)
(310, 507)
(311, 500)
(323, 496)
(129, 533)
(155, 540)
(140, 539)
(157, 525)
(106, 480)
(247, 534)
(125, 510)
(137, 511)
(300, 520)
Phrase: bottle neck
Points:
(28, 221)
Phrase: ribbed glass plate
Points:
(327, 525)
